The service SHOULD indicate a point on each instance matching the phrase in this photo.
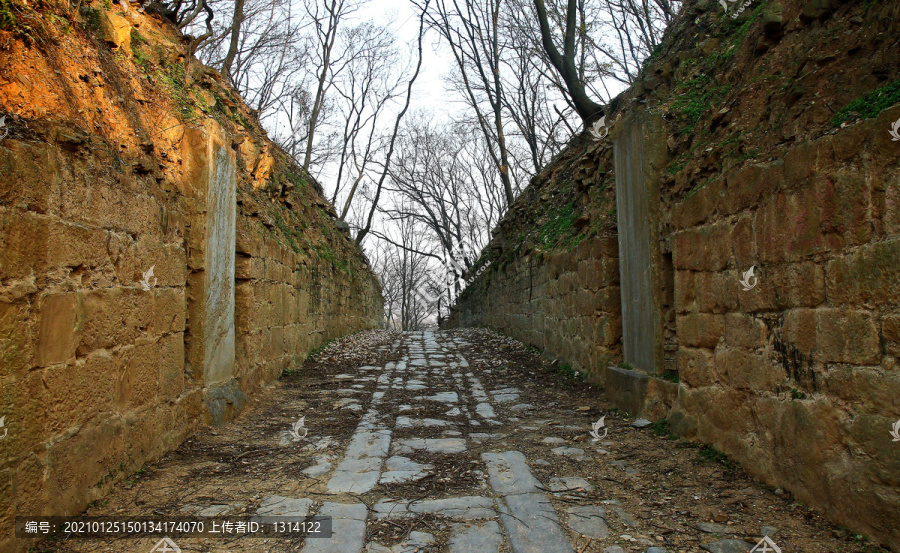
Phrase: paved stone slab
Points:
(626, 519)
(641, 423)
(553, 440)
(505, 398)
(402, 469)
(531, 524)
(348, 527)
(570, 484)
(476, 538)
(588, 520)
(407, 422)
(568, 451)
(431, 445)
(485, 410)
(280, 506)
(522, 407)
(322, 466)
(466, 507)
(445, 397)
(509, 473)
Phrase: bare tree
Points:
(327, 17)
(472, 30)
(564, 62)
(366, 227)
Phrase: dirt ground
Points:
(656, 491)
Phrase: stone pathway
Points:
(441, 444)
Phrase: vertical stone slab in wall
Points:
(640, 156)
(219, 286)
(210, 180)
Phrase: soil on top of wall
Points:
(118, 84)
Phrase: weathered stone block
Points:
(704, 249)
(685, 291)
(743, 369)
(77, 392)
(746, 331)
(58, 331)
(846, 336)
(717, 292)
(696, 367)
(784, 286)
(700, 329)
(692, 210)
(870, 275)
(31, 174)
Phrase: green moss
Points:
(716, 456)
(670, 376)
(662, 428)
(7, 16)
(558, 225)
(91, 17)
(870, 105)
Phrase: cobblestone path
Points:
(455, 442)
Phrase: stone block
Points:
(31, 175)
(115, 29)
(692, 210)
(717, 292)
(77, 392)
(626, 389)
(113, 317)
(745, 331)
(17, 347)
(706, 248)
(784, 286)
(834, 335)
(58, 329)
(870, 275)
(845, 336)
(745, 251)
(696, 367)
(77, 464)
(787, 226)
(685, 291)
(700, 329)
(37, 244)
(742, 369)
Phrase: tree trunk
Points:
(235, 36)
(564, 63)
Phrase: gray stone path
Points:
(512, 511)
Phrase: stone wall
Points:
(103, 368)
(798, 378)
(565, 303)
